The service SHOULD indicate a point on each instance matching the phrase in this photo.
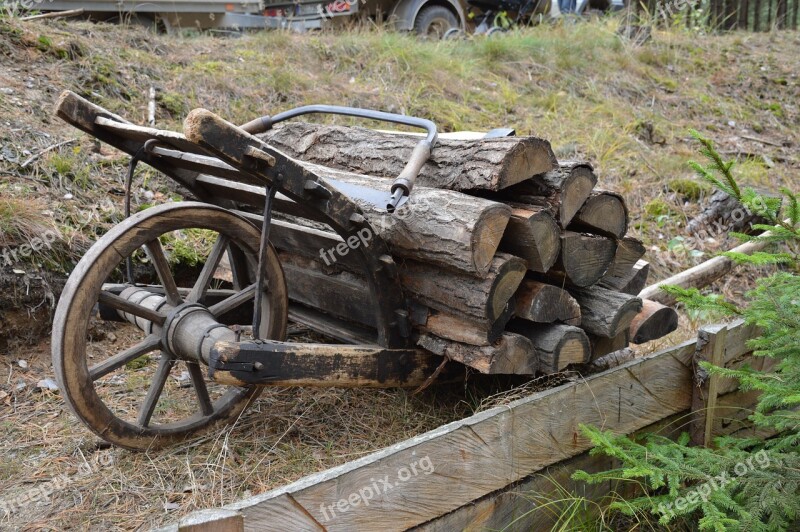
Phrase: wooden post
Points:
(710, 348)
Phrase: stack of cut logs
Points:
(513, 262)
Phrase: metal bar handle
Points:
(403, 183)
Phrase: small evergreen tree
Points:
(742, 483)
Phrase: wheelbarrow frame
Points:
(223, 165)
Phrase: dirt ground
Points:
(624, 108)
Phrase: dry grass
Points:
(624, 108)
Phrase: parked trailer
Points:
(427, 17)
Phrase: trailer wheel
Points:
(434, 22)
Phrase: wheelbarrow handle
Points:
(403, 183)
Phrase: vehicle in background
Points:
(427, 17)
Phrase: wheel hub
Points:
(190, 332)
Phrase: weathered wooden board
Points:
(485, 452)
(489, 464)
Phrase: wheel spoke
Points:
(200, 287)
(230, 303)
(119, 303)
(239, 270)
(200, 388)
(156, 253)
(151, 343)
(156, 387)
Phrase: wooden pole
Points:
(710, 348)
(55, 14)
(701, 275)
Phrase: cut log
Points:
(584, 258)
(458, 328)
(545, 303)
(605, 312)
(556, 345)
(512, 354)
(486, 164)
(637, 279)
(602, 346)
(654, 321)
(629, 250)
(563, 190)
(466, 309)
(630, 282)
(438, 226)
(484, 299)
(604, 213)
(533, 235)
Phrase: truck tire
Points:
(434, 21)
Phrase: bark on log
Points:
(533, 235)
(545, 303)
(563, 190)
(654, 321)
(604, 213)
(485, 164)
(512, 354)
(613, 359)
(438, 226)
(584, 258)
(556, 345)
(605, 312)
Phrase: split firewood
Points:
(545, 303)
(631, 282)
(604, 213)
(556, 345)
(654, 321)
(483, 164)
(602, 346)
(629, 250)
(563, 190)
(584, 258)
(533, 235)
(605, 312)
(512, 354)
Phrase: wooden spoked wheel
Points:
(123, 378)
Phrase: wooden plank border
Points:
(428, 476)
